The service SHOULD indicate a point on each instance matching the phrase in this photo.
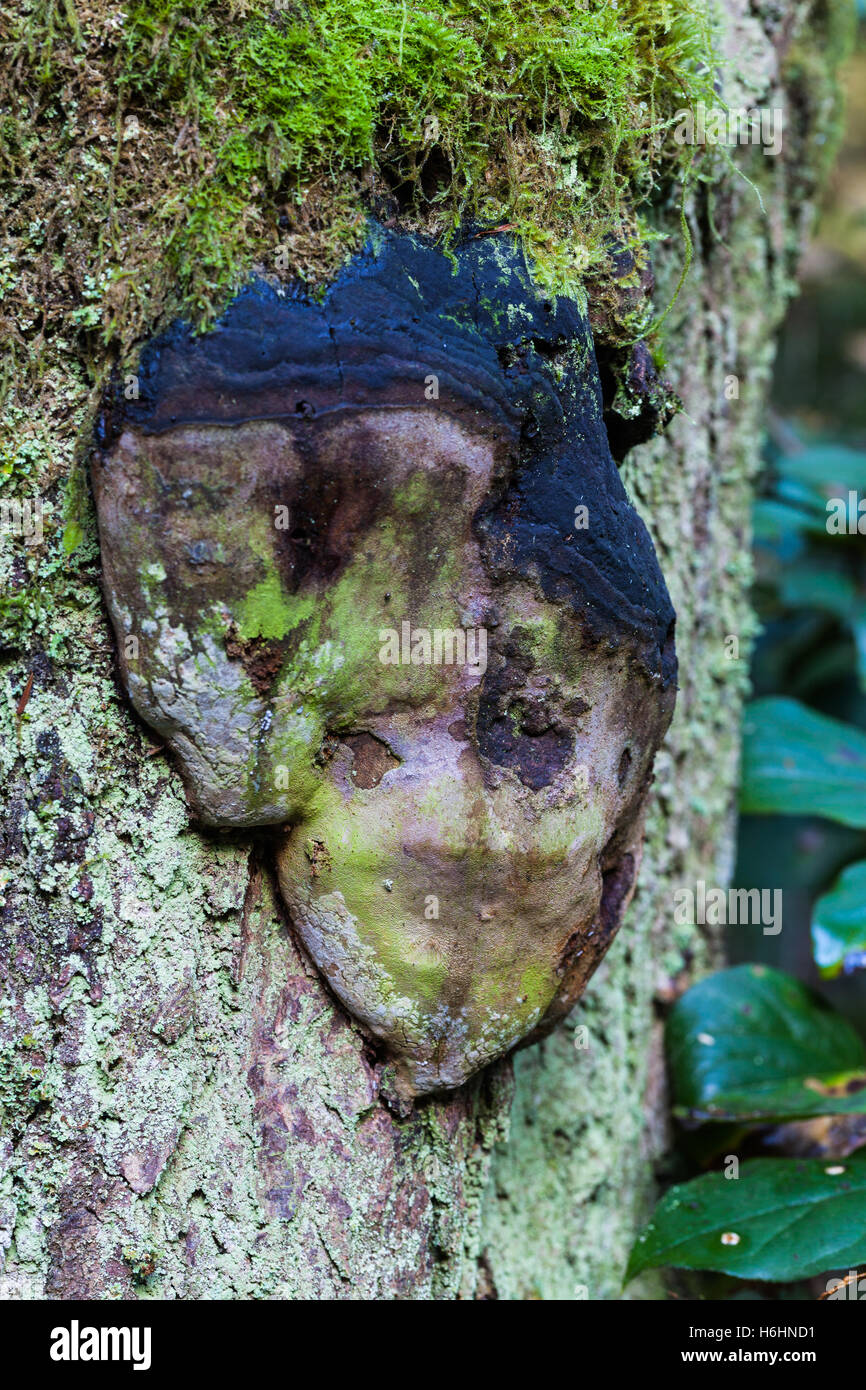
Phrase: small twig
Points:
(493, 231)
(22, 703)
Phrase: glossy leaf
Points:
(753, 1044)
(781, 1219)
(798, 762)
(839, 924)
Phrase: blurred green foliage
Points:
(810, 542)
(758, 1062)
(805, 732)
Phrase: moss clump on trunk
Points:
(165, 147)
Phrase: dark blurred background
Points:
(810, 588)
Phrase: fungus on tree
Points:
(456, 840)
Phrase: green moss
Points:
(143, 1263)
(329, 85)
(23, 1085)
(257, 134)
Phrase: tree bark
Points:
(188, 1113)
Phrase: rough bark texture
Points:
(188, 1114)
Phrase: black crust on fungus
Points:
(398, 313)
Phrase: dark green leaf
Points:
(781, 1219)
(813, 584)
(831, 469)
(858, 628)
(809, 503)
(798, 762)
(774, 521)
(839, 923)
(780, 521)
(754, 1044)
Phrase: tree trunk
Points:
(187, 1112)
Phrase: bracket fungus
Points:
(341, 560)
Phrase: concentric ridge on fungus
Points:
(456, 843)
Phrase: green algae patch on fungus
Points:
(269, 612)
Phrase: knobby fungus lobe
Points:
(411, 449)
